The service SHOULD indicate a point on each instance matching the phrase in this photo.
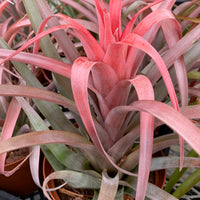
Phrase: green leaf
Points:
(63, 154)
(188, 183)
(173, 162)
(120, 193)
(177, 174)
(109, 186)
(37, 93)
(67, 47)
(194, 75)
(74, 179)
(46, 45)
(159, 144)
(50, 110)
(152, 192)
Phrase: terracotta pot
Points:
(159, 178)
(46, 170)
(21, 182)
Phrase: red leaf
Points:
(115, 17)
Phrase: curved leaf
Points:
(151, 190)
(80, 9)
(124, 143)
(38, 60)
(108, 35)
(144, 91)
(160, 143)
(175, 120)
(113, 99)
(7, 131)
(45, 137)
(67, 47)
(109, 186)
(100, 17)
(135, 40)
(102, 80)
(2, 6)
(176, 51)
(153, 19)
(91, 46)
(128, 28)
(32, 92)
(191, 111)
(74, 179)
(15, 28)
(173, 27)
(34, 164)
(80, 75)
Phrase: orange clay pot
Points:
(21, 182)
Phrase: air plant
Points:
(120, 72)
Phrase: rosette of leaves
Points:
(115, 65)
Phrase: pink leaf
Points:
(175, 120)
(91, 46)
(145, 91)
(2, 6)
(122, 88)
(148, 28)
(129, 27)
(173, 28)
(16, 27)
(45, 137)
(79, 79)
(108, 35)
(115, 57)
(34, 164)
(101, 109)
(81, 9)
(194, 91)
(100, 17)
(38, 60)
(104, 78)
(175, 52)
(191, 112)
(115, 17)
(8, 128)
(153, 19)
(4, 26)
(32, 92)
(136, 41)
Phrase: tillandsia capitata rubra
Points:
(109, 85)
